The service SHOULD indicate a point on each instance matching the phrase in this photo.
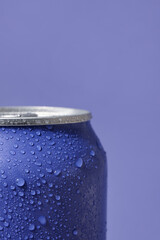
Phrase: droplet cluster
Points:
(52, 183)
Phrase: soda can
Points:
(53, 175)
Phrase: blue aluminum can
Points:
(53, 175)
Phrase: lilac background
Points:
(103, 56)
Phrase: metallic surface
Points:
(26, 116)
(53, 182)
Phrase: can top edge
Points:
(41, 115)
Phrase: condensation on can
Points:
(53, 182)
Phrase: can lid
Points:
(41, 115)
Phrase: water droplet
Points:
(49, 170)
(57, 197)
(1, 228)
(23, 152)
(15, 145)
(6, 224)
(33, 193)
(12, 152)
(31, 227)
(50, 185)
(20, 182)
(39, 148)
(38, 163)
(79, 162)
(39, 203)
(1, 219)
(31, 143)
(92, 153)
(5, 184)
(75, 232)
(52, 143)
(31, 202)
(27, 170)
(21, 194)
(38, 133)
(57, 172)
(42, 220)
(48, 137)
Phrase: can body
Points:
(53, 183)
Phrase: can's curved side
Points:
(53, 183)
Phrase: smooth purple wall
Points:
(103, 56)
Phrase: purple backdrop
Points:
(103, 56)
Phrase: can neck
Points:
(40, 115)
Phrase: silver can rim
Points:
(41, 115)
